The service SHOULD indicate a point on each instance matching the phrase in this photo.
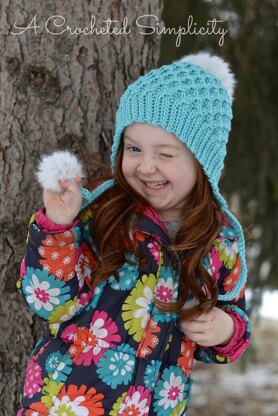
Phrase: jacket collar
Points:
(151, 224)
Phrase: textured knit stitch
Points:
(193, 104)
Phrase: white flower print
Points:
(41, 294)
(144, 302)
(172, 393)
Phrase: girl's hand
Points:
(209, 329)
(63, 208)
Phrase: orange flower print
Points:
(58, 254)
(86, 262)
(231, 280)
(149, 339)
(185, 361)
(37, 409)
(78, 402)
(138, 235)
(89, 344)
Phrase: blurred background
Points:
(249, 182)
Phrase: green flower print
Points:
(137, 307)
(228, 251)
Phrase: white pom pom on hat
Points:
(216, 66)
(60, 165)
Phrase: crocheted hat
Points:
(192, 99)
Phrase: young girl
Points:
(146, 272)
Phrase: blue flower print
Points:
(96, 295)
(43, 291)
(170, 391)
(228, 232)
(151, 374)
(128, 275)
(116, 367)
(52, 361)
(166, 291)
(58, 366)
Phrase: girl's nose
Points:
(147, 166)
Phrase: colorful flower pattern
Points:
(170, 390)
(128, 275)
(112, 351)
(89, 344)
(58, 253)
(136, 402)
(43, 292)
(149, 339)
(151, 374)
(116, 367)
(58, 366)
(74, 401)
(185, 361)
(136, 309)
(33, 379)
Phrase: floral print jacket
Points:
(112, 352)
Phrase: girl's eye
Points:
(167, 156)
(133, 149)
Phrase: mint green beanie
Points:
(192, 99)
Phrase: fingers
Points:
(71, 186)
(194, 327)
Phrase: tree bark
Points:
(57, 91)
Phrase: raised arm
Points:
(56, 268)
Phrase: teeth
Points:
(155, 185)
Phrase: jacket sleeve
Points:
(224, 263)
(56, 269)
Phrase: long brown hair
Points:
(110, 225)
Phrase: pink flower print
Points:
(42, 295)
(85, 298)
(22, 269)
(167, 287)
(136, 402)
(164, 293)
(215, 263)
(90, 343)
(154, 250)
(170, 391)
(33, 380)
(69, 334)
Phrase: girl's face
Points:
(159, 167)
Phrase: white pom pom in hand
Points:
(60, 165)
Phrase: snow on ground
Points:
(269, 308)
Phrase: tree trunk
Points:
(57, 91)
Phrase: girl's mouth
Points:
(155, 185)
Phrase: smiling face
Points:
(159, 167)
